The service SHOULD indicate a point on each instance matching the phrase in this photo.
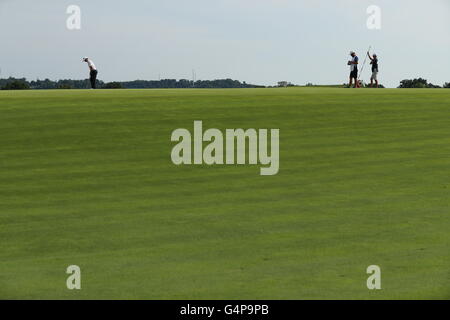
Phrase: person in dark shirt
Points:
(374, 63)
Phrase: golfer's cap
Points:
(375, 55)
(352, 52)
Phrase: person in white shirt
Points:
(353, 69)
(93, 72)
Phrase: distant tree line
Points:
(14, 84)
(419, 83)
(23, 84)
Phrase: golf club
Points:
(364, 63)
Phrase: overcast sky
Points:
(258, 41)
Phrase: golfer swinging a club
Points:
(93, 72)
(353, 69)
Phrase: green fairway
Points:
(87, 179)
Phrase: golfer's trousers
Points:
(93, 78)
